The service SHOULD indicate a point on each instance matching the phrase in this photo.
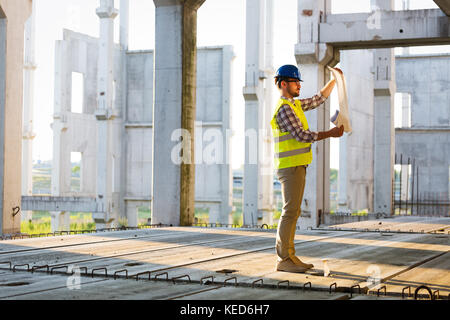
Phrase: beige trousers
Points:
(292, 186)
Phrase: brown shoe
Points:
(289, 266)
(298, 262)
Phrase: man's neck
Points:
(287, 97)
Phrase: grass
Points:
(41, 222)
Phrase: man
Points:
(292, 141)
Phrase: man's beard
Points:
(294, 93)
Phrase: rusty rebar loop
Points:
(282, 281)
(99, 269)
(420, 288)
(207, 277)
(34, 268)
(351, 289)
(257, 280)
(307, 283)
(335, 286)
(378, 291)
(21, 265)
(232, 278)
(161, 274)
(434, 294)
(121, 271)
(183, 276)
(7, 262)
(403, 291)
(59, 267)
(141, 274)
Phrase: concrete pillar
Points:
(342, 205)
(226, 170)
(312, 58)
(132, 213)
(258, 174)
(384, 134)
(13, 14)
(124, 22)
(60, 221)
(3, 34)
(122, 166)
(28, 92)
(173, 175)
(104, 113)
(406, 104)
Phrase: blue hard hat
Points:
(288, 71)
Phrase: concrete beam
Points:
(444, 5)
(385, 29)
(70, 204)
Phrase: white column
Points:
(384, 137)
(312, 58)
(104, 112)
(174, 111)
(59, 126)
(167, 111)
(258, 176)
(124, 22)
(267, 205)
(406, 104)
(342, 205)
(28, 93)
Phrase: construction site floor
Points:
(397, 259)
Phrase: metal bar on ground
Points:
(183, 276)
(232, 278)
(21, 265)
(207, 277)
(161, 274)
(98, 269)
(258, 280)
(121, 271)
(282, 281)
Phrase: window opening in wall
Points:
(76, 168)
(77, 92)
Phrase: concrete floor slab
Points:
(401, 223)
(249, 255)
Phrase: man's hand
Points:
(326, 90)
(340, 71)
(335, 133)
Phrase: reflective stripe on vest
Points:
(292, 152)
(288, 151)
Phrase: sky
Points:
(219, 22)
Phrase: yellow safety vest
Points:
(288, 151)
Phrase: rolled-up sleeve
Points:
(313, 102)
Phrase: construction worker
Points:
(292, 141)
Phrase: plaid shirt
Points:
(288, 121)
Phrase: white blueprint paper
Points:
(341, 117)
